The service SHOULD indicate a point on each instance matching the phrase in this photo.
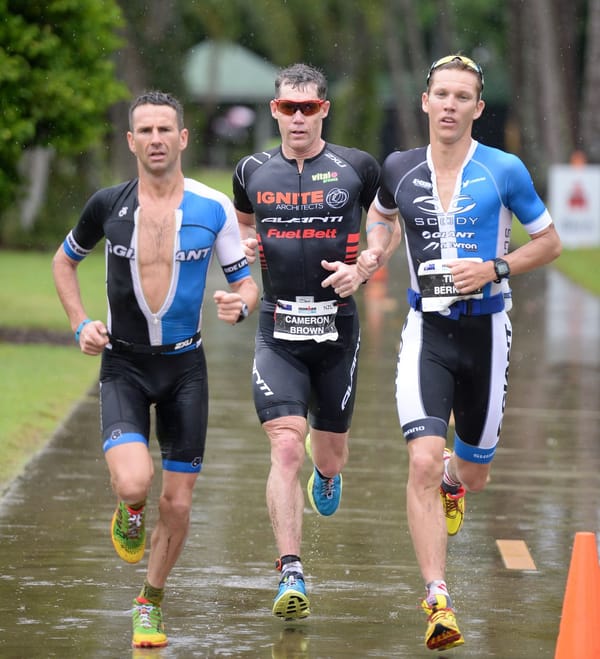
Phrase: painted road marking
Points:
(515, 555)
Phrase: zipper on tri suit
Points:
(302, 241)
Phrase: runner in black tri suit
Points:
(457, 199)
(161, 232)
(300, 205)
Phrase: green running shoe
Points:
(128, 533)
(148, 629)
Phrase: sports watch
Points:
(243, 313)
(502, 270)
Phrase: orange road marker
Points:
(515, 555)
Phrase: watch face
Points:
(502, 269)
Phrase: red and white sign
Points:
(574, 203)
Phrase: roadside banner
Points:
(574, 202)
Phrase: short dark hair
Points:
(155, 97)
(299, 76)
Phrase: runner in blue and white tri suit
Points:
(457, 199)
(161, 232)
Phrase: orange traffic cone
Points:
(578, 636)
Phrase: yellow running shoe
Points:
(442, 631)
(454, 504)
(128, 533)
(148, 629)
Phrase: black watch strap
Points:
(502, 270)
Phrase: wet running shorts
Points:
(305, 378)
(176, 384)
(454, 365)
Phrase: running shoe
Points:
(324, 494)
(128, 533)
(442, 630)
(148, 629)
(454, 504)
(291, 601)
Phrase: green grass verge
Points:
(579, 265)
(39, 385)
(30, 299)
(220, 179)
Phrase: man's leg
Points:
(171, 530)
(329, 453)
(428, 531)
(285, 502)
(425, 515)
(168, 540)
(131, 471)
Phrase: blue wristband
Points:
(82, 324)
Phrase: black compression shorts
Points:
(306, 378)
(454, 365)
(176, 384)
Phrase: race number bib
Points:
(304, 321)
(437, 285)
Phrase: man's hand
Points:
(93, 338)
(344, 279)
(249, 246)
(369, 260)
(229, 306)
(470, 276)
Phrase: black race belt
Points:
(120, 345)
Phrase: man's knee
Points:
(426, 462)
(286, 436)
(131, 471)
(175, 509)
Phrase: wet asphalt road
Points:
(64, 593)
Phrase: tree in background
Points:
(57, 80)
(539, 56)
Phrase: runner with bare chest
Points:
(156, 240)
(161, 232)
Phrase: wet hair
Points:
(299, 76)
(155, 97)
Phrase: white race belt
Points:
(437, 287)
(304, 321)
